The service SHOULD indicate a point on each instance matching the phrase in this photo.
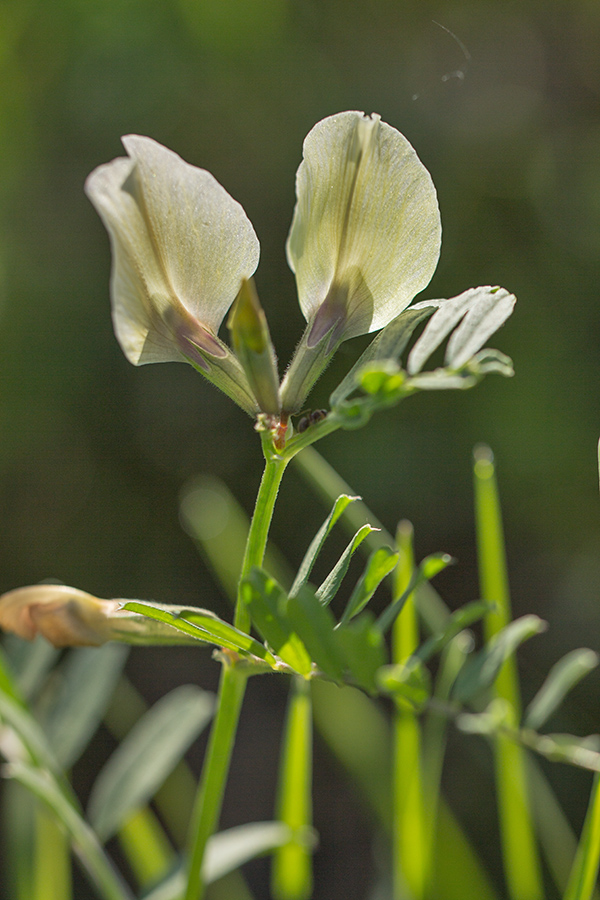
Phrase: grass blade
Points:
(520, 852)
(291, 877)
(409, 844)
(585, 867)
(89, 679)
(145, 757)
(86, 846)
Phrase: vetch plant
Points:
(364, 241)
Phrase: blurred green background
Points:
(502, 102)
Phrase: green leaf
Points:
(202, 625)
(388, 345)
(363, 648)
(583, 752)
(30, 662)
(457, 622)
(428, 568)
(146, 756)
(380, 563)
(563, 676)
(482, 311)
(29, 733)
(481, 671)
(226, 852)
(340, 505)
(99, 868)
(267, 603)
(88, 679)
(314, 625)
(585, 867)
(329, 588)
(409, 683)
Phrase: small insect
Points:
(311, 418)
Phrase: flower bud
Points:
(68, 617)
(251, 341)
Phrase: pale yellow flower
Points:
(366, 232)
(181, 249)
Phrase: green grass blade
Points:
(226, 852)
(557, 838)
(409, 844)
(435, 729)
(89, 677)
(291, 877)
(52, 859)
(85, 844)
(30, 662)
(145, 757)
(358, 734)
(520, 853)
(146, 847)
(585, 867)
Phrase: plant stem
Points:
(209, 798)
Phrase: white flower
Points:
(366, 232)
(181, 248)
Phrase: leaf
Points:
(89, 676)
(388, 345)
(202, 625)
(314, 625)
(146, 756)
(30, 662)
(226, 852)
(363, 649)
(409, 683)
(563, 676)
(427, 569)
(267, 601)
(457, 622)
(566, 748)
(30, 735)
(380, 563)
(340, 505)
(481, 671)
(482, 310)
(329, 588)
(585, 867)
(85, 843)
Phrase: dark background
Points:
(502, 102)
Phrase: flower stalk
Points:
(209, 799)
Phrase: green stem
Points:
(209, 798)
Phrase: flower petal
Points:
(366, 232)
(181, 247)
(203, 237)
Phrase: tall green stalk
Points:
(209, 799)
(519, 845)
